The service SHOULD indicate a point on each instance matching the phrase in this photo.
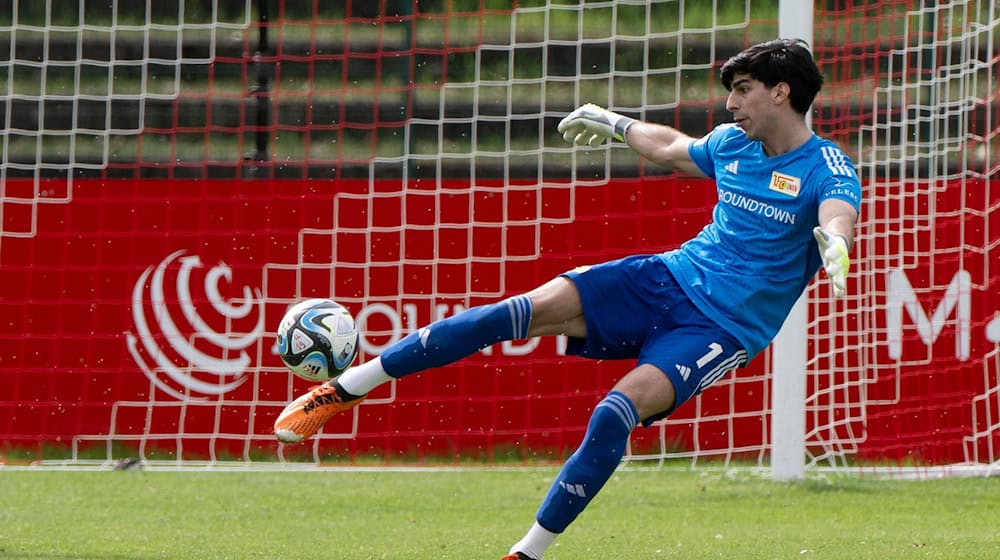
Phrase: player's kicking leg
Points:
(553, 308)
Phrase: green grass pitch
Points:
(478, 513)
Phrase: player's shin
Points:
(453, 338)
(586, 471)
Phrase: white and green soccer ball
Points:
(318, 339)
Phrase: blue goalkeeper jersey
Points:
(748, 266)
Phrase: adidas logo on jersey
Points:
(732, 167)
(683, 370)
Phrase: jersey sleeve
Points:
(841, 181)
(704, 149)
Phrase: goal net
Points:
(86, 85)
(215, 164)
(926, 322)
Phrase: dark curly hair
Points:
(779, 60)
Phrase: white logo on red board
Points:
(186, 350)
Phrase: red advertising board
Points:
(142, 312)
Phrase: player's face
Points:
(751, 104)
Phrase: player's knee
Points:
(556, 309)
(649, 389)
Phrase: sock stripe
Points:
(520, 315)
(623, 407)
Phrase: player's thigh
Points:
(692, 357)
(556, 309)
(618, 303)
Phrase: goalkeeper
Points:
(788, 203)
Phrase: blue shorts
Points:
(635, 309)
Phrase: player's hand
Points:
(836, 259)
(592, 124)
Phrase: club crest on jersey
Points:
(785, 184)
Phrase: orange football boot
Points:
(304, 416)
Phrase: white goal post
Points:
(790, 346)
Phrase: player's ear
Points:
(780, 92)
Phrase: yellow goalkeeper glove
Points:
(836, 259)
(592, 124)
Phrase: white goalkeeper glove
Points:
(592, 124)
(836, 259)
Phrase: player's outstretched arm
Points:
(665, 146)
(835, 237)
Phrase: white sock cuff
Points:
(536, 542)
(361, 379)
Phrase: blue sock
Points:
(453, 338)
(586, 471)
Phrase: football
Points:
(318, 339)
